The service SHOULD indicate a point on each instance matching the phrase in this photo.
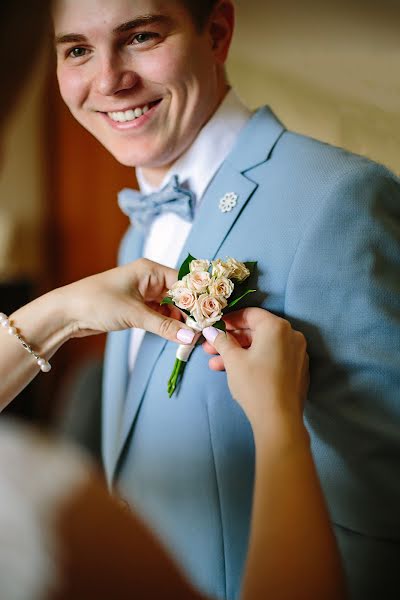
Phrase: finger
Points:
(153, 280)
(166, 274)
(168, 310)
(224, 343)
(248, 319)
(175, 313)
(169, 329)
(209, 348)
(171, 276)
(216, 363)
(242, 337)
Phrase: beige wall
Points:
(329, 69)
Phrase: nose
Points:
(114, 76)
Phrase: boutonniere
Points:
(204, 292)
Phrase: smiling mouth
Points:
(131, 114)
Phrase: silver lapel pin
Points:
(228, 202)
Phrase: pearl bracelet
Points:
(5, 323)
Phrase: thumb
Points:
(169, 329)
(224, 343)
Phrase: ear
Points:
(221, 26)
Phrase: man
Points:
(147, 79)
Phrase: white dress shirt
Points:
(195, 168)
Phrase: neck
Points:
(155, 175)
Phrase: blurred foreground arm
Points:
(63, 537)
(121, 298)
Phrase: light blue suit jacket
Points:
(324, 226)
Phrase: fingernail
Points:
(210, 333)
(185, 336)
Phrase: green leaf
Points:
(220, 325)
(166, 300)
(234, 302)
(185, 267)
(252, 265)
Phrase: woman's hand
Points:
(266, 363)
(270, 379)
(123, 298)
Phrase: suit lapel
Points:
(211, 225)
(115, 376)
(114, 389)
(150, 350)
(208, 233)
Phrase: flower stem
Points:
(176, 376)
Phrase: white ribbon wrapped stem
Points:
(184, 351)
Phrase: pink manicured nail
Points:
(210, 333)
(185, 336)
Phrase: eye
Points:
(77, 52)
(143, 38)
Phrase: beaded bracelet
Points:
(5, 322)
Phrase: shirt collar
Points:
(198, 165)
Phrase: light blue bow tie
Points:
(142, 208)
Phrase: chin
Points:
(146, 161)
(124, 157)
(132, 161)
(146, 154)
(126, 161)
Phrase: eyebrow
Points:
(143, 21)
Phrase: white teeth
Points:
(128, 115)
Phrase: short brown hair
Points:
(199, 10)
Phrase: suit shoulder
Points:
(344, 188)
(326, 160)
(314, 176)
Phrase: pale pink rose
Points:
(184, 298)
(220, 269)
(223, 301)
(207, 310)
(238, 270)
(198, 281)
(222, 286)
(199, 265)
(178, 285)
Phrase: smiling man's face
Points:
(139, 75)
